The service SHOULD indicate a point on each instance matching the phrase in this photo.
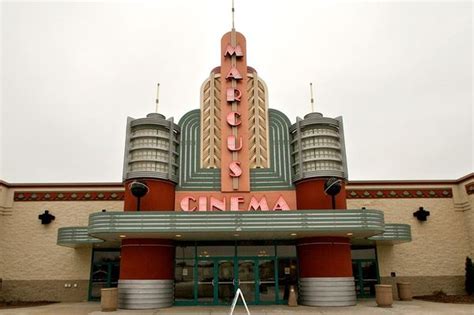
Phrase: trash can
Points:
(108, 299)
(292, 299)
(383, 295)
(404, 291)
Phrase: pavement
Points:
(363, 307)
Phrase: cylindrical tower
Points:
(150, 175)
(318, 153)
(319, 162)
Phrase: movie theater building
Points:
(233, 195)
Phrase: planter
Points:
(108, 299)
(383, 295)
(404, 291)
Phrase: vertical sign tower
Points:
(235, 169)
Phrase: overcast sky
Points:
(400, 73)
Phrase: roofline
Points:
(61, 185)
(350, 183)
(411, 182)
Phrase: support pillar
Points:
(325, 270)
(146, 274)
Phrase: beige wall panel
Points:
(2, 251)
(439, 246)
(44, 290)
(29, 248)
(469, 219)
(425, 285)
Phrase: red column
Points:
(147, 259)
(325, 263)
(324, 257)
(147, 265)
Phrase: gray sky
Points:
(400, 73)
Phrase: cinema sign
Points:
(210, 201)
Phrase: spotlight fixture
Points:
(138, 190)
(332, 187)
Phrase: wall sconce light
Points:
(421, 214)
(46, 217)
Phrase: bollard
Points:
(292, 300)
(404, 291)
(108, 299)
(383, 295)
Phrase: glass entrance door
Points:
(266, 281)
(225, 280)
(365, 276)
(105, 272)
(218, 278)
(209, 275)
(247, 279)
(205, 281)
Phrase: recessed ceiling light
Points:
(293, 234)
(122, 236)
(349, 234)
(178, 235)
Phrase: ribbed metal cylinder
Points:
(151, 148)
(145, 294)
(329, 291)
(317, 147)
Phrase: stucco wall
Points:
(2, 254)
(434, 259)
(32, 266)
(439, 246)
(5, 204)
(470, 223)
(30, 248)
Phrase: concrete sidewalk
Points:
(364, 307)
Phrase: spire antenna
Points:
(233, 11)
(157, 101)
(312, 99)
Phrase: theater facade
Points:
(233, 195)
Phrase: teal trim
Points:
(278, 176)
(393, 234)
(75, 236)
(193, 177)
(360, 222)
